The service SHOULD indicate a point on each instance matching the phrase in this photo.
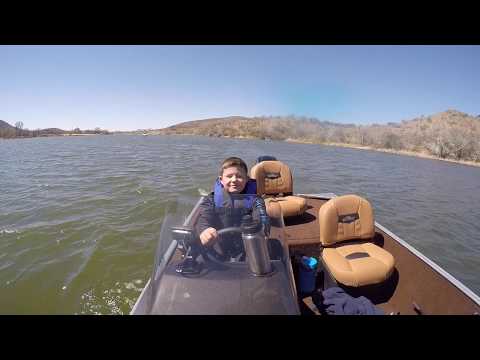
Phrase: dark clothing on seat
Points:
(337, 302)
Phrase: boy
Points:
(215, 210)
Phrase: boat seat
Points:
(275, 184)
(346, 230)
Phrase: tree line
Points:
(9, 132)
(447, 135)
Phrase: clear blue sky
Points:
(139, 87)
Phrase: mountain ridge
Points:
(8, 131)
(449, 134)
(5, 125)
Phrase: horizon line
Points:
(295, 117)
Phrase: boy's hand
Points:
(208, 236)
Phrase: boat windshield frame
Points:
(236, 277)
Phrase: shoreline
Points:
(389, 151)
(351, 146)
(49, 135)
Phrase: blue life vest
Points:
(250, 188)
(230, 210)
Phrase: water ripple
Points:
(80, 217)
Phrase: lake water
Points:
(80, 216)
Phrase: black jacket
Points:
(218, 219)
(209, 217)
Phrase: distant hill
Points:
(8, 131)
(207, 123)
(273, 127)
(53, 131)
(5, 125)
(448, 135)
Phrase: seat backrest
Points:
(346, 217)
(273, 177)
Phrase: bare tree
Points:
(18, 128)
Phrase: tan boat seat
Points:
(275, 183)
(356, 263)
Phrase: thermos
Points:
(255, 243)
(307, 274)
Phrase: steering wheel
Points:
(215, 255)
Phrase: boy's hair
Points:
(233, 161)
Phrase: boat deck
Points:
(417, 285)
(414, 287)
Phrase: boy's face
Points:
(233, 179)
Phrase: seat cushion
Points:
(358, 264)
(291, 205)
(345, 217)
(273, 178)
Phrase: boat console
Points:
(246, 271)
